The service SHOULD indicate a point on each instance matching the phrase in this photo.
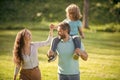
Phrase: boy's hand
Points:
(82, 36)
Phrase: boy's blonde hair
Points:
(73, 12)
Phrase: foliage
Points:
(43, 25)
(33, 10)
(100, 11)
(104, 11)
(113, 28)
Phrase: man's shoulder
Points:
(70, 39)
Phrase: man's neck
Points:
(66, 38)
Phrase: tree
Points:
(115, 10)
(85, 14)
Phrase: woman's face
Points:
(28, 36)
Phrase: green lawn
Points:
(103, 50)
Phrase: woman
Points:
(25, 55)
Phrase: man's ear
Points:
(67, 31)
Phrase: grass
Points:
(103, 50)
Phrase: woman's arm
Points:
(54, 26)
(48, 41)
(16, 72)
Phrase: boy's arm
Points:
(81, 33)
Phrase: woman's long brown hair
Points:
(18, 45)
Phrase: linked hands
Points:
(51, 27)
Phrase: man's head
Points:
(63, 30)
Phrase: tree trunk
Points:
(85, 14)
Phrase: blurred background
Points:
(16, 14)
(101, 22)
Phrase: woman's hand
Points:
(14, 78)
(82, 36)
(17, 68)
(51, 29)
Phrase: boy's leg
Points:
(77, 43)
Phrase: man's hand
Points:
(51, 55)
(81, 53)
(84, 55)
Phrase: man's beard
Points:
(62, 36)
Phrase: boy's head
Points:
(73, 12)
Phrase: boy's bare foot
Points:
(76, 54)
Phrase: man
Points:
(68, 68)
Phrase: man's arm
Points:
(84, 55)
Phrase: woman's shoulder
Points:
(32, 43)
